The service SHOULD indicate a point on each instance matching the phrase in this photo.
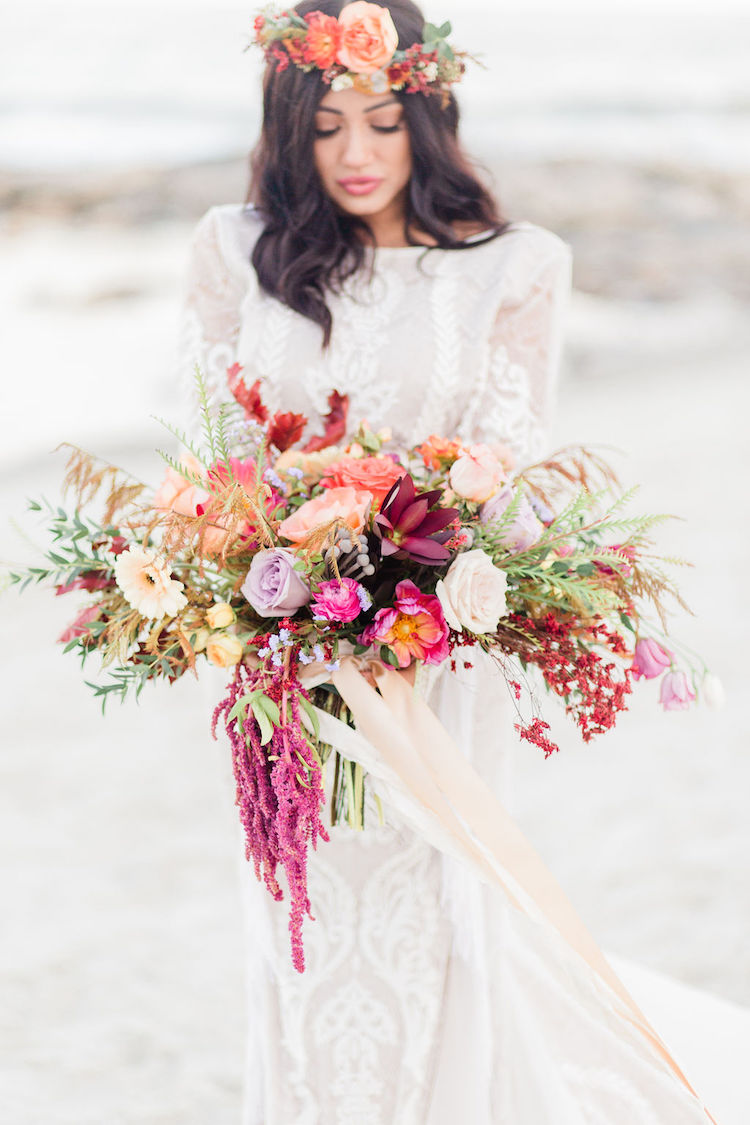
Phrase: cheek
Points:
(324, 159)
(400, 156)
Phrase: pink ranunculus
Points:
(650, 659)
(79, 627)
(526, 527)
(339, 600)
(676, 694)
(414, 629)
(368, 37)
(347, 504)
(272, 586)
(476, 474)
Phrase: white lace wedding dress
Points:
(427, 998)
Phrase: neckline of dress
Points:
(474, 239)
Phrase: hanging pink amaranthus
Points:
(279, 789)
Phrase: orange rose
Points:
(345, 504)
(369, 37)
(375, 474)
(323, 40)
(438, 453)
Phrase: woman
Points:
(374, 263)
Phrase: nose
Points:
(357, 151)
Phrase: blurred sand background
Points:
(626, 129)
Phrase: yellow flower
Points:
(224, 650)
(220, 615)
(201, 639)
(146, 585)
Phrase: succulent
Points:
(408, 528)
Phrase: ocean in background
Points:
(108, 85)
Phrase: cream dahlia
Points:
(143, 578)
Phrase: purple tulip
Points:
(675, 692)
(650, 659)
(272, 585)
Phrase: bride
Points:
(373, 262)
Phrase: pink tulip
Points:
(675, 692)
(650, 659)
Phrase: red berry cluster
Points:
(565, 652)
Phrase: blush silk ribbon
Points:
(403, 744)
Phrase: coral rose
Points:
(374, 474)
(369, 37)
(476, 474)
(346, 504)
(323, 40)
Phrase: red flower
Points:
(249, 400)
(334, 422)
(286, 429)
(323, 40)
(79, 627)
(88, 580)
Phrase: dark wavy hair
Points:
(308, 246)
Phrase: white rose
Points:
(472, 594)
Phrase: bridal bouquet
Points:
(278, 559)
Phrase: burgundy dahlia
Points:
(408, 529)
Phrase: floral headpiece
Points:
(359, 50)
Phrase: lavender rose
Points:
(526, 527)
(272, 585)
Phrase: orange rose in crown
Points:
(368, 37)
(375, 474)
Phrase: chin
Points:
(363, 205)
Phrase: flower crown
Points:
(359, 50)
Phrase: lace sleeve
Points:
(218, 277)
(514, 405)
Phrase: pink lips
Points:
(359, 185)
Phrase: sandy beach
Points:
(121, 950)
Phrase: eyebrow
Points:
(372, 108)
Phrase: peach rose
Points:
(313, 465)
(476, 474)
(437, 452)
(219, 615)
(346, 504)
(373, 474)
(178, 494)
(224, 650)
(369, 37)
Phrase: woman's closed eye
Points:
(322, 132)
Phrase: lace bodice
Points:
(460, 343)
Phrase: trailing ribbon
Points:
(403, 744)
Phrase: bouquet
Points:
(278, 559)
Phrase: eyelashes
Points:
(321, 133)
